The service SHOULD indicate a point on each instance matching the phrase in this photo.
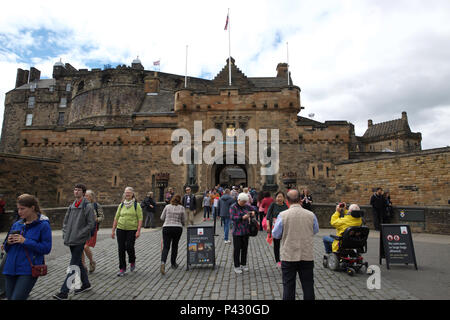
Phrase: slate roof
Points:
(268, 82)
(387, 128)
(41, 84)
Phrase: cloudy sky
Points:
(354, 60)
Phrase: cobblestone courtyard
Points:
(262, 281)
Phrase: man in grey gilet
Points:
(296, 228)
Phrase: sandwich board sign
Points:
(396, 245)
(200, 246)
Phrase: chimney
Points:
(22, 77)
(35, 74)
(151, 84)
(282, 69)
(404, 116)
(369, 123)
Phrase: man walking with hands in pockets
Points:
(296, 228)
(77, 227)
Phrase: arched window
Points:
(80, 86)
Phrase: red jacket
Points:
(265, 203)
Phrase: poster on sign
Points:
(396, 245)
(200, 246)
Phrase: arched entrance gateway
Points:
(229, 174)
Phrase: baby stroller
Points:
(348, 258)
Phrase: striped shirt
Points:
(173, 216)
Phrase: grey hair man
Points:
(296, 228)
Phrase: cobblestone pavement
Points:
(262, 281)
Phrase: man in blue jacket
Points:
(188, 202)
(78, 224)
(225, 203)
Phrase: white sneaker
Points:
(244, 268)
(237, 270)
(227, 241)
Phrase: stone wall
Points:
(56, 216)
(25, 174)
(437, 219)
(415, 179)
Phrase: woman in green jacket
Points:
(128, 222)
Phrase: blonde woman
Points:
(99, 216)
(128, 223)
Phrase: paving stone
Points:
(262, 281)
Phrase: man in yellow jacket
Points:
(341, 220)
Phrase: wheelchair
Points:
(348, 258)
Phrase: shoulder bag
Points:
(37, 270)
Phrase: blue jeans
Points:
(19, 287)
(328, 244)
(76, 252)
(226, 227)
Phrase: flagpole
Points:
(185, 74)
(229, 49)
(287, 53)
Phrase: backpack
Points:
(95, 228)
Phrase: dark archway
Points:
(236, 174)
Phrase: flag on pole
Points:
(156, 63)
(226, 24)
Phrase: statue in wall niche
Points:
(192, 179)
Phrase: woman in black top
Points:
(272, 213)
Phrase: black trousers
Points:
(276, 249)
(148, 220)
(171, 237)
(75, 260)
(377, 218)
(126, 240)
(240, 246)
(260, 216)
(305, 270)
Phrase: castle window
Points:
(243, 125)
(68, 87)
(80, 86)
(29, 120)
(51, 88)
(314, 172)
(61, 119)
(31, 101)
(63, 102)
(328, 172)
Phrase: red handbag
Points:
(37, 270)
